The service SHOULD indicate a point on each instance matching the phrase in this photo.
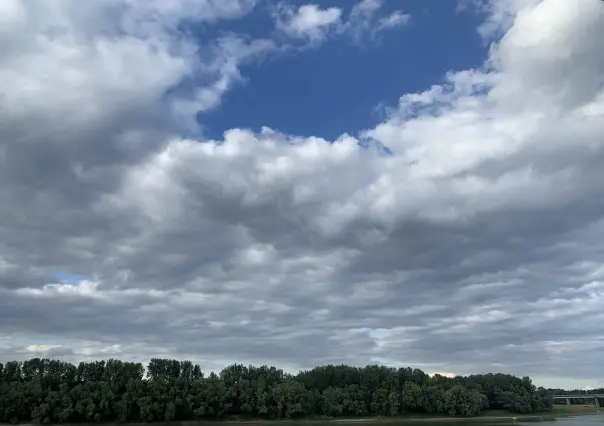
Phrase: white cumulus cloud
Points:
(315, 24)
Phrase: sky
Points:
(408, 183)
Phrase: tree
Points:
(51, 391)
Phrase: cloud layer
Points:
(476, 246)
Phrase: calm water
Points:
(588, 420)
(591, 420)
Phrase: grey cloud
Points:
(476, 246)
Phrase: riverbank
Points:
(574, 410)
(561, 411)
(488, 415)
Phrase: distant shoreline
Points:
(341, 421)
(559, 412)
(550, 416)
(394, 419)
(489, 415)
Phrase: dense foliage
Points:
(49, 391)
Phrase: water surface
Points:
(586, 420)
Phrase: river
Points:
(587, 420)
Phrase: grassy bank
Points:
(574, 410)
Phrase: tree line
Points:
(53, 391)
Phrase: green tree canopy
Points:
(52, 391)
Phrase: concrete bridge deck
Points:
(595, 397)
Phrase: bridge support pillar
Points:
(567, 401)
(597, 402)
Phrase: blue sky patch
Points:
(320, 91)
(67, 278)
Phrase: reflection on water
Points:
(589, 420)
(592, 420)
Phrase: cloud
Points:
(476, 246)
(395, 19)
(500, 15)
(451, 375)
(365, 19)
(116, 58)
(315, 24)
(309, 21)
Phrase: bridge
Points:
(596, 398)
